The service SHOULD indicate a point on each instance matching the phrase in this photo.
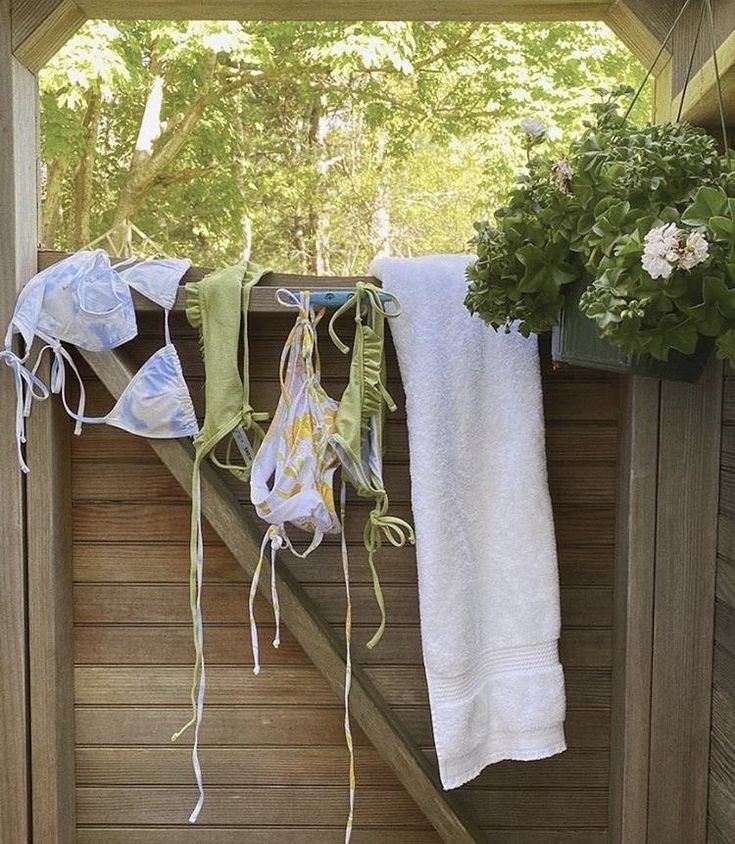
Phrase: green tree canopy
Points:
(310, 146)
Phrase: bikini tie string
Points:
(397, 532)
(28, 386)
(276, 537)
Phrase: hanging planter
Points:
(625, 247)
(576, 341)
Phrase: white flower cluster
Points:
(668, 248)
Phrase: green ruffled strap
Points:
(397, 532)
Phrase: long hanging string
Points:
(348, 663)
(196, 577)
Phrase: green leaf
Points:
(723, 228)
(708, 202)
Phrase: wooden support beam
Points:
(42, 27)
(242, 536)
(50, 622)
(633, 607)
(701, 104)
(18, 215)
(490, 10)
(642, 25)
(683, 610)
(262, 298)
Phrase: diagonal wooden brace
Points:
(239, 532)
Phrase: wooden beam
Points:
(242, 535)
(50, 622)
(633, 608)
(701, 105)
(642, 26)
(42, 27)
(18, 215)
(262, 298)
(686, 548)
(490, 10)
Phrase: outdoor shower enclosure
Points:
(641, 475)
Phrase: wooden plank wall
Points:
(273, 751)
(722, 748)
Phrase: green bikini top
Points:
(217, 306)
(360, 420)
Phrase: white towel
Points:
(487, 569)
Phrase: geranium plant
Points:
(646, 215)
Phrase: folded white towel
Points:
(487, 570)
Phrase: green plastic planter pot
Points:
(575, 341)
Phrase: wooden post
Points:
(18, 226)
(50, 622)
(683, 620)
(633, 607)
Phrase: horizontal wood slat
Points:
(313, 766)
(591, 527)
(587, 688)
(597, 402)
(571, 484)
(279, 724)
(151, 644)
(378, 807)
(122, 604)
(132, 562)
(264, 806)
(274, 835)
(281, 835)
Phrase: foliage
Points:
(621, 194)
(310, 145)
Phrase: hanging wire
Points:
(718, 82)
(664, 45)
(691, 62)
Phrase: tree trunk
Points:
(134, 188)
(157, 147)
(380, 225)
(52, 203)
(81, 204)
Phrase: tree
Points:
(309, 145)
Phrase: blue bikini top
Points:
(84, 301)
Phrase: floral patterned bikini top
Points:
(84, 301)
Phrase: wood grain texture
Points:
(42, 27)
(683, 608)
(721, 803)
(633, 608)
(299, 613)
(701, 104)
(493, 10)
(685, 34)
(133, 638)
(303, 835)
(274, 835)
(276, 724)
(50, 621)
(642, 26)
(18, 125)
